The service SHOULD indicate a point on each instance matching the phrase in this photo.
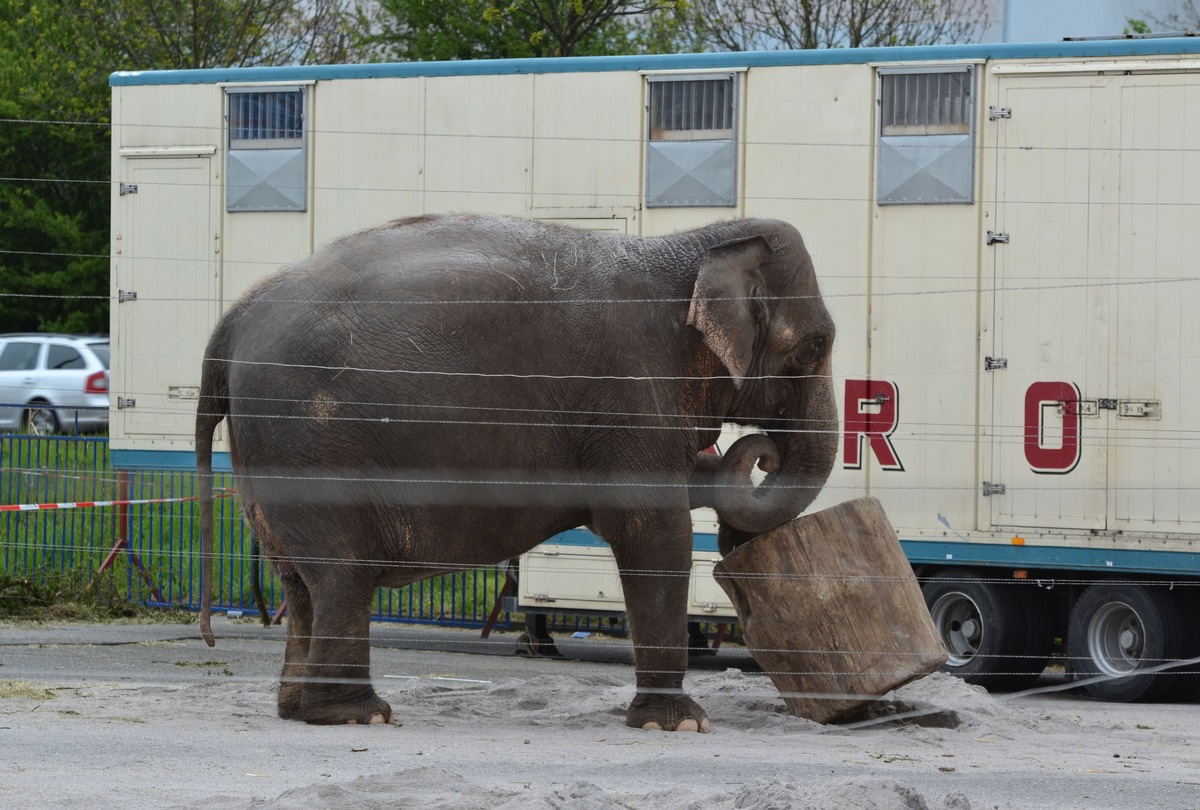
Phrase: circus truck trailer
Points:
(1004, 234)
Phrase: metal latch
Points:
(125, 296)
(183, 392)
(995, 237)
(126, 188)
(999, 112)
(990, 489)
(123, 403)
(1139, 409)
(995, 363)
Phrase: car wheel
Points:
(40, 419)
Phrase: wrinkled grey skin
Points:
(443, 393)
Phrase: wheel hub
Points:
(960, 626)
(1116, 639)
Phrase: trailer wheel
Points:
(984, 626)
(1118, 629)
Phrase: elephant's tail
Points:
(212, 408)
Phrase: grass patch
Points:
(73, 595)
(20, 689)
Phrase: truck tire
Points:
(1117, 629)
(985, 627)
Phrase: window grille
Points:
(264, 120)
(691, 109)
(926, 103)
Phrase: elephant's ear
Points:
(727, 303)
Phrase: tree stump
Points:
(831, 609)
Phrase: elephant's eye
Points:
(813, 350)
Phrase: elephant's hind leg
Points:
(295, 655)
(337, 682)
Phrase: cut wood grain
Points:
(831, 609)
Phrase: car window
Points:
(101, 350)
(19, 356)
(62, 357)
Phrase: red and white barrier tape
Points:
(35, 507)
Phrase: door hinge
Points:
(123, 403)
(995, 237)
(995, 363)
(125, 296)
(999, 112)
(126, 188)
(990, 489)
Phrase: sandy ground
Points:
(147, 716)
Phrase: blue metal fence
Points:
(64, 507)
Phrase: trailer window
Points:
(266, 158)
(691, 145)
(265, 120)
(926, 135)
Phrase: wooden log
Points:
(831, 610)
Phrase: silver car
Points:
(53, 383)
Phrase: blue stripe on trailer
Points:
(662, 62)
(1169, 563)
(164, 460)
(582, 538)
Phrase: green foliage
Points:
(54, 198)
(421, 30)
(47, 595)
(55, 59)
(1133, 26)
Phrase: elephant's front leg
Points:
(654, 554)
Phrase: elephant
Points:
(447, 391)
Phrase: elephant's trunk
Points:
(797, 462)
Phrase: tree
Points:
(172, 34)
(55, 58)
(420, 30)
(1185, 17)
(566, 24)
(54, 194)
(743, 25)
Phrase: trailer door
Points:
(1155, 459)
(164, 266)
(1052, 251)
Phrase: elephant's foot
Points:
(324, 707)
(667, 713)
(291, 700)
